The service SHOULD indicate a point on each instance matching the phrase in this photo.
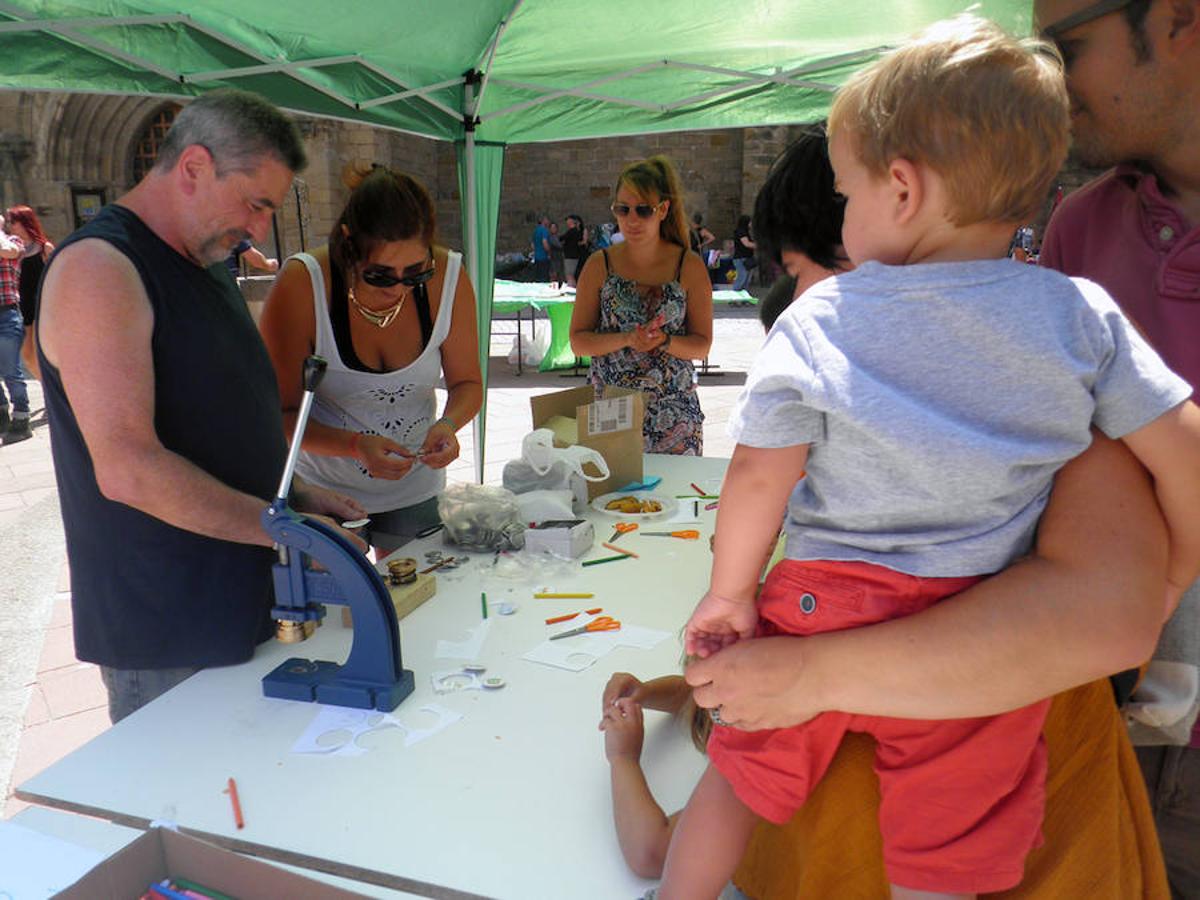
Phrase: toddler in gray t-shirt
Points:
(908, 417)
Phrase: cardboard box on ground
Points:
(611, 425)
(161, 853)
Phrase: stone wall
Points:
(52, 142)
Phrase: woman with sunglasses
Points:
(393, 314)
(643, 308)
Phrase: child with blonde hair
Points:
(908, 418)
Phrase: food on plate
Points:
(630, 505)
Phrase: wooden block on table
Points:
(405, 597)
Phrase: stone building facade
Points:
(59, 151)
(62, 153)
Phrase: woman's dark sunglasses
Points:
(643, 210)
(386, 277)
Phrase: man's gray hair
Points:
(238, 128)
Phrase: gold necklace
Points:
(381, 319)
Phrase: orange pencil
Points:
(620, 550)
(237, 805)
(569, 616)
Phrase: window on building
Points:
(145, 149)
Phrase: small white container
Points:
(562, 537)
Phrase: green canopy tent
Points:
(481, 73)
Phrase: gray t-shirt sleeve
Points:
(773, 409)
(1133, 385)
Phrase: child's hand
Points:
(621, 684)
(718, 622)
(623, 730)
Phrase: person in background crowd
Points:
(558, 267)
(23, 222)
(1133, 73)
(163, 408)
(643, 308)
(699, 236)
(245, 251)
(14, 425)
(574, 244)
(541, 249)
(743, 253)
(393, 313)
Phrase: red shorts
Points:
(961, 799)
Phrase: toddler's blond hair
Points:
(986, 111)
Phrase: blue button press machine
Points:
(373, 676)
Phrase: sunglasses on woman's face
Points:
(643, 210)
(386, 277)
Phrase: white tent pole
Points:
(472, 243)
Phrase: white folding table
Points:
(512, 801)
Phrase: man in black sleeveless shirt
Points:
(165, 415)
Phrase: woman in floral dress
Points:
(643, 308)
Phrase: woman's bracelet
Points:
(446, 419)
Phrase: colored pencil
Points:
(604, 559)
(545, 596)
(620, 550)
(699, 490)
(569, 616)
(483, 603)
(237, 804)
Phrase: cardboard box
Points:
(161, 853)
(611, 426)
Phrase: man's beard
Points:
(214, 249)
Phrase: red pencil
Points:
(699, 490)
(237, 804)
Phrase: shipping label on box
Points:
(607, 416)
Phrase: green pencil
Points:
(483, 603)
(604, 559)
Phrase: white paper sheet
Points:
(468, 649)
(337, 730)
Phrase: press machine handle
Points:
(314, 371)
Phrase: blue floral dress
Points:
(674, 422)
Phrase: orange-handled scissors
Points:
(604, 623)
(623, 528)
(689, 535)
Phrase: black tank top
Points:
(145, 594)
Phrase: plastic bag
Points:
(543, 466)
(481, 517)
(530, 348)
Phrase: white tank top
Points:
(400, 405)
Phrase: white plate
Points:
(669, 506)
